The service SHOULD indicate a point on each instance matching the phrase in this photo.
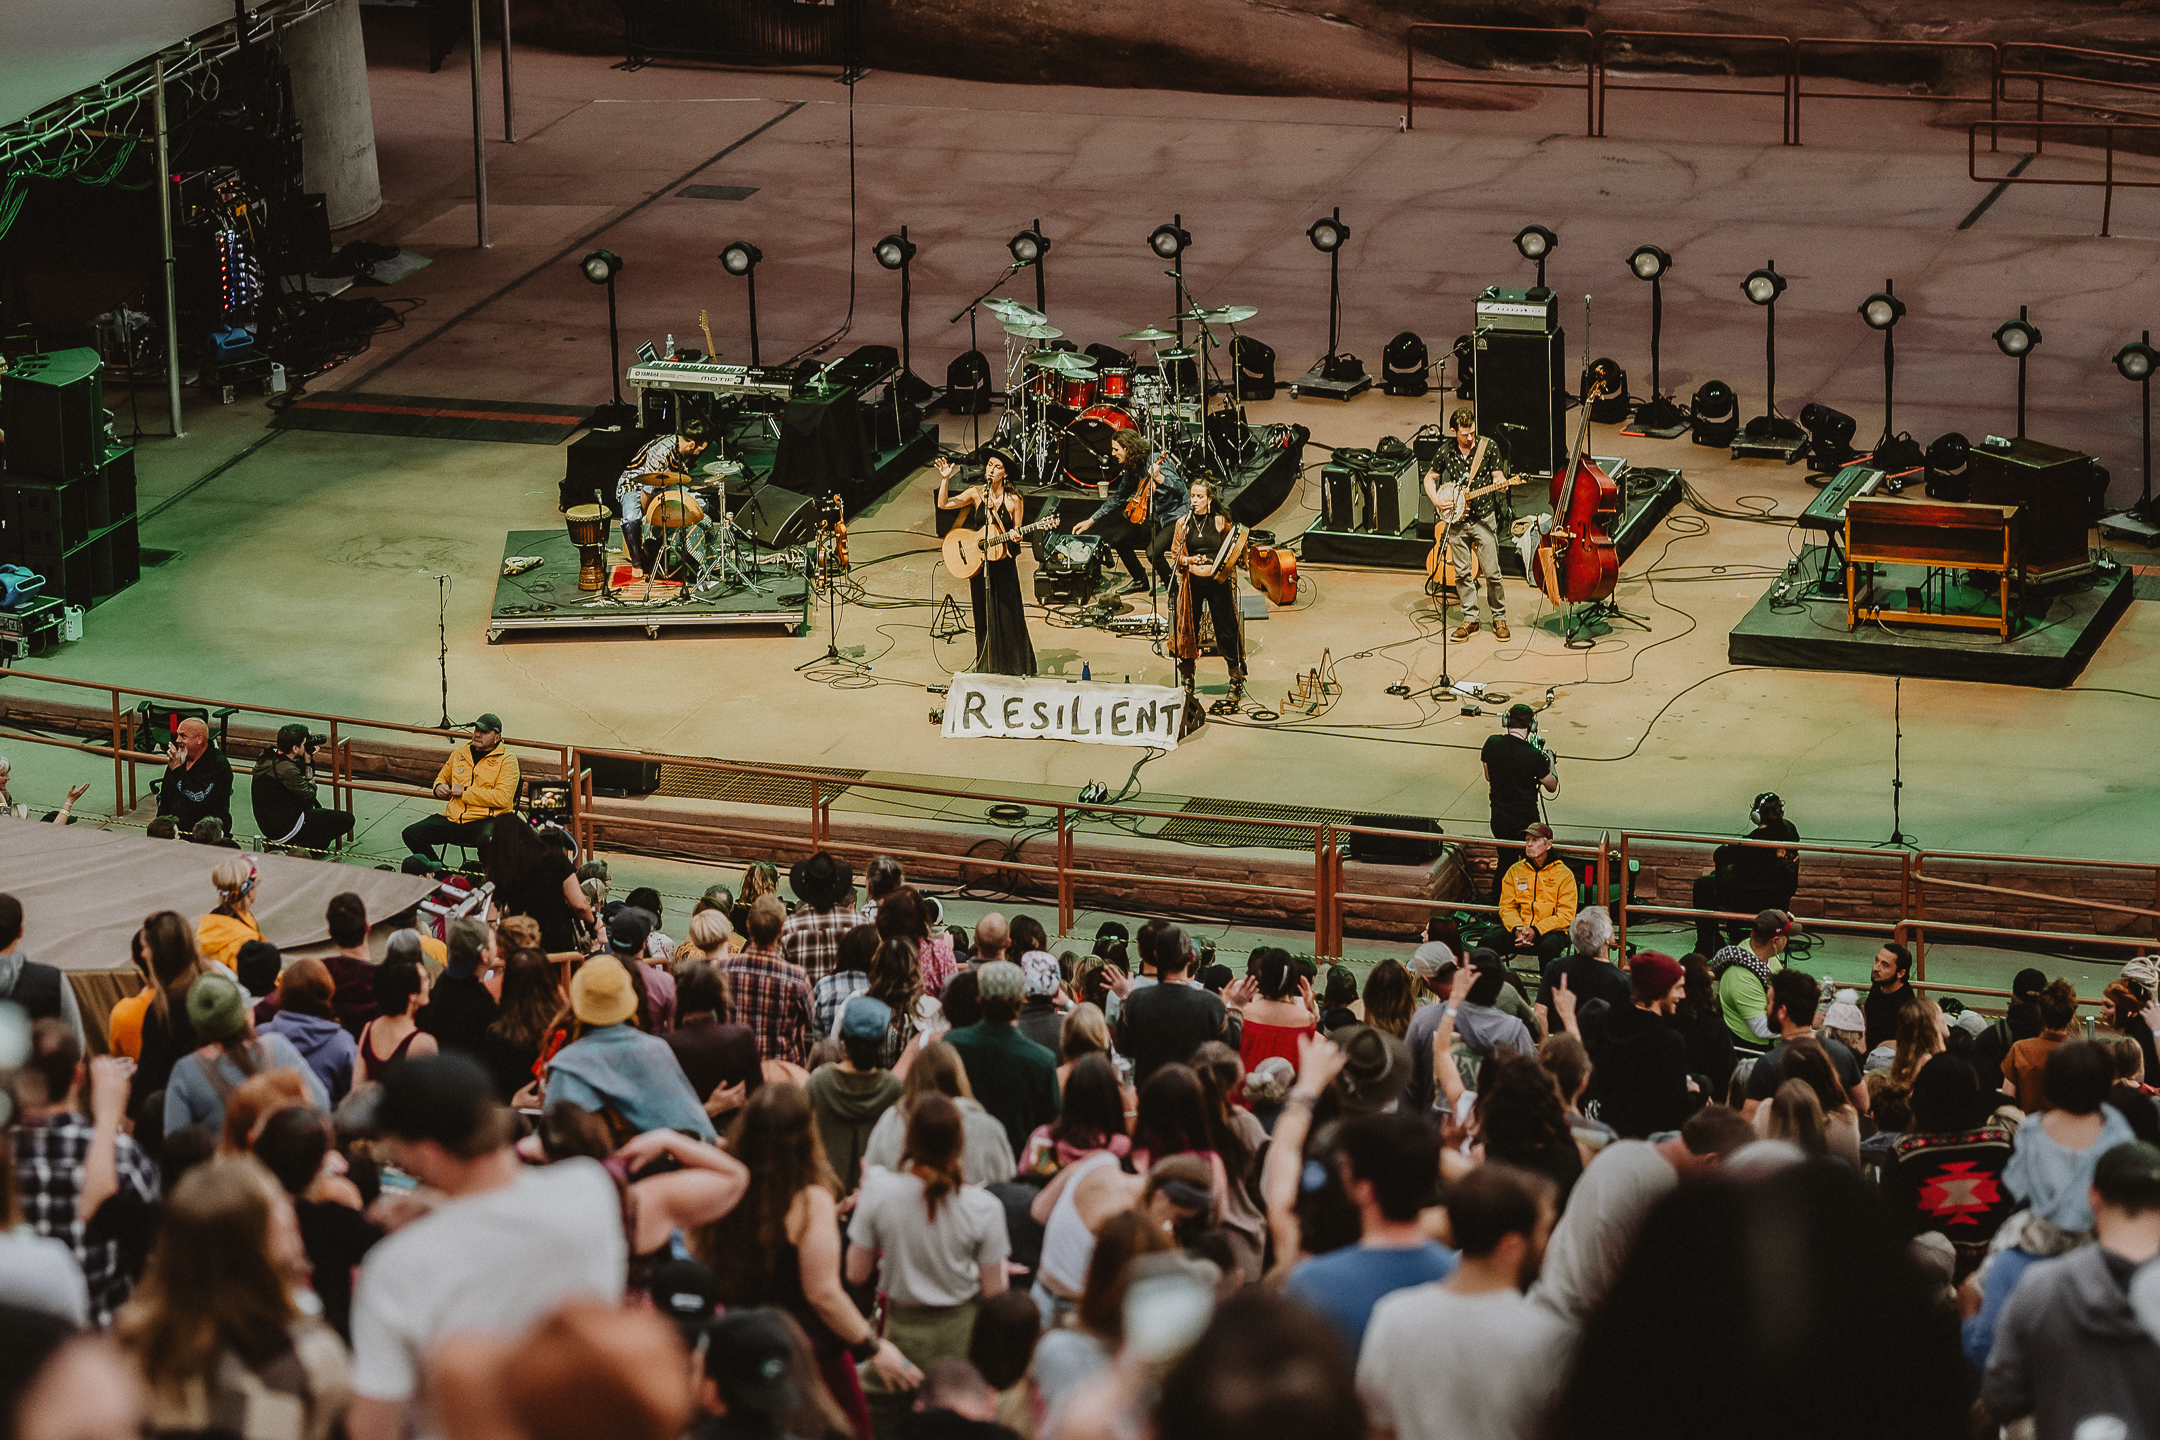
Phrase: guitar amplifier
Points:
(1498, 309)
(1391, 497)
(1338, 497)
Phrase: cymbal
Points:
(1178, 354)
(1035, 332)
(1064, 362)
(1152, 335)
(1226, 315)
(1013, 310)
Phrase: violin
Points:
(1577, 560)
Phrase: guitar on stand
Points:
(705, 326)
(1576, 561)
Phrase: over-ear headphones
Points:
(1767, 800)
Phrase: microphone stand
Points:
(967, 313)
(442, 635)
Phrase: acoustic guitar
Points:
(966, 551)
(1438, 568)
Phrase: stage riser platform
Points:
(2058, 634)
(547, 597)
(1638, 517)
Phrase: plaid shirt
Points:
(830, 993)
(772, 997)
(811, 938)
(49, 1157)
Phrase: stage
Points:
(2057, 632)
(546, 597)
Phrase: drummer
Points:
(664, 461)
(1150, 484)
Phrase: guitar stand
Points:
(948, 623)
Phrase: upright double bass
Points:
(1577, 560)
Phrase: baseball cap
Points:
(489, 721)
(683, 1290)
(1539, 831)
(1430, 959)
(628, 929)
(866, 1018)
(217, 1007)
(749, 1354)
(1041, 969)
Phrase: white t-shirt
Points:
(41, 1274)
(925, 1263)
(1593, 1238)
(493, 1262)
(1442, 1366)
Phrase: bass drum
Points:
(1086, 457)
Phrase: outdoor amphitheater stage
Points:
(296, 568)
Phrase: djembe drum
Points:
(589, 532)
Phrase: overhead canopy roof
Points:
(49, 49)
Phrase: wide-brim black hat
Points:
(822, 881)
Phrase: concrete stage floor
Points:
(300, 563)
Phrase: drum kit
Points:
(1065, 406)
(701, 550)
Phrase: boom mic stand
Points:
(967, 313)
(442, 635)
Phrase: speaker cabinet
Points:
(1521, 401)
(52, 409)
(778, 517)
(1395, 849)
(1338, 497)
(2059, 494)
(619, 779)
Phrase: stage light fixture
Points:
(1327, 236)
(741, 258)
(601, 267)
(1032, 247)
(897, 252)
(1830, 434)
(1171, 240)
(1716, 414)
(894, 251)
(1658, 415)
(1946, 458)
(1769, 435)
(2016, 338)
(1535, 242)
(1894, 453)
(2135, 362)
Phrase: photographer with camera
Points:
(283, 789)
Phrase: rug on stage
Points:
(512, 422)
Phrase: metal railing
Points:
(343, 776)
(1566, 35)
(1327, 896)
(2007, 69)
(2108, 182)
(1631, 38)
(1811, 45)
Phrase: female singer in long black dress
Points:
(1002, 644)
(1205, 551)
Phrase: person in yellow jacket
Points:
(1537, 898)
(480, 780)
(221, 933)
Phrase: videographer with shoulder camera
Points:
(283, 790)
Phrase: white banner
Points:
(1013, 707)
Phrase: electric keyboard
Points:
(1826, 512)
(713, 379)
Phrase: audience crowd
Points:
(570, 1166)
